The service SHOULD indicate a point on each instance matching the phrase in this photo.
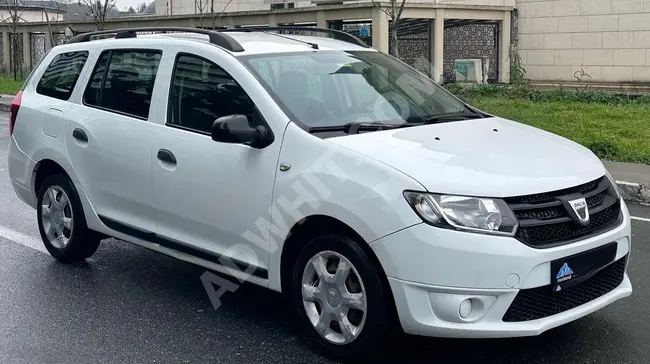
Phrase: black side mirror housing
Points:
(236, 129)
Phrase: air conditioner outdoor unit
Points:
(471, 70)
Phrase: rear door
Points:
(108, 136)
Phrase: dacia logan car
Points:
(318, 167)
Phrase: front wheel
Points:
(340, 298)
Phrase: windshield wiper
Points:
(353, 128)
(356, 127)
(455, 116)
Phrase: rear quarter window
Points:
(59, 79)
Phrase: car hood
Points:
(489, 157)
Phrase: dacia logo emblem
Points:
(581, 210)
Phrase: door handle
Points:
(166, 156)
(80, 135)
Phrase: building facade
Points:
(179, 7)
(585, 40)
(557, 40)
(31, 11)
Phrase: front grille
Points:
(545, 222)
(540, 302)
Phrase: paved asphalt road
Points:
(130, 305)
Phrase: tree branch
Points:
(382, 9)
(401, 9)
(223, 11)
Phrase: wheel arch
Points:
(314, 225)
(48, 166)
(42, 169)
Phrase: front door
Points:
(209, 194)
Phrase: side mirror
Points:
(235, 129)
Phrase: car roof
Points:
(253, 42)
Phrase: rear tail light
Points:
(13, 113)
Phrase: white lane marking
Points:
(633, 184)
(644, 219)
(22, 239)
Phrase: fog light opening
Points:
(465, 308)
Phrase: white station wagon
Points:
(321, 168)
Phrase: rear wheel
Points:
(61, 221)
(340, 298)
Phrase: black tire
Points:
(83, 242)
(378, 318)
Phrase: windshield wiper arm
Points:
(448, 117)
(352, 128)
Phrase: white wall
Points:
(177, 7)
(30, 16)
(608, 40)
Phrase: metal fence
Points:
(412, 35)
(471, 40)
(463, 40)
(38, 47)
(16, 66)
(413, 42)
(37, 51)
(360, 29)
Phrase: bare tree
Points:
(394, 13)
(200, 7)
(217, 16)
(59, 7)
(14, 8)
(98, 10)
(142, 7)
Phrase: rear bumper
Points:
(21, 171)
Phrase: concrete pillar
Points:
(320, 19)
(437, 46)
(6, 51)
(27, 51)
(504, 48)
(272, 21)
(48, 41)
(379, 30)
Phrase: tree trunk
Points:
(49, 29)
(393, 39)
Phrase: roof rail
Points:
(336, 34)
(216, 37)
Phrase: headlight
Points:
(477, 214)
(612, 181)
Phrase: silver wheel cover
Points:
(334, 297)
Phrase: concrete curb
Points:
(5, 102)
(635, 192)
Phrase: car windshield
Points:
(335, 88)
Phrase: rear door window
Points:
(61, 75)
(123, 81)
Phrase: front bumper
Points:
(432, 271)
